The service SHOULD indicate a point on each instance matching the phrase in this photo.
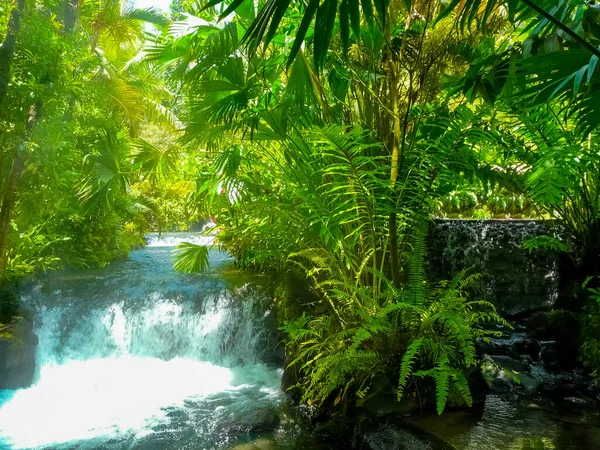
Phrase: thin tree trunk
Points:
(393, 92)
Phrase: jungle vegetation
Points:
(321, 136)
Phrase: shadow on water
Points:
(512, 424)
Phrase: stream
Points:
(136, 356)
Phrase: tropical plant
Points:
(341, 356)
(191, 258)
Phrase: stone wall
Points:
(516, 281)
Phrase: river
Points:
(136, 356)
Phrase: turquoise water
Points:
(136, 353)
(136, 356)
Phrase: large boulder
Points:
(261, 419)
(17, 354)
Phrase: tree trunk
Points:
(8, 47)
(393, 93)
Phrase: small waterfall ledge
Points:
(516, 281)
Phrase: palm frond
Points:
(190, 258)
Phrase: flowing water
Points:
(516, 280)
(138, 357)
(137, 354)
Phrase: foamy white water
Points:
(84, 399)
(138, 352)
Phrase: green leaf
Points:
(381, 7)
(591, 67)
(280, 10)
(231, 8)
(324, 31)
(354, 11)
(345, 25)
(307, 18)
(190, 258)
(367, 9)
(447, 10)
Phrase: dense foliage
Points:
(321, 137)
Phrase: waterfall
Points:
(125, 352)
(515, 280)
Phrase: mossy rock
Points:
(258, 444)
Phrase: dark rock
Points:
(478, 386)
(395, 439)
(515, 345)
(492, 347)
(17, 354)
(537, 323)
(528, 382)
(515, 280)
(401, 437)
(501, 385)
(262, 419)
(550, 356)
(527, 359)
(556, 355)
(510, 364)
(258, 444)
(577, 400)
(383, 400)
(558, 325)
(528, 347)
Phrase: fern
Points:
(544, 242)
(407, 365)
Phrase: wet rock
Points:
(550, 356)
(528, 382)
(558, 332)
(515, 345)
(492, 347)
(527, 359)
(511, 364)
(262, 419)
(502, 373)
(258, 444)
(395, 437)
(383, 400)
(556, 355)
(389, 438)
(516, 281)
(17, 354)
(502, 384)
(528, 347)
(577, 400)
(478, 386)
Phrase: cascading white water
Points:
(137, 352)
(514, 279)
